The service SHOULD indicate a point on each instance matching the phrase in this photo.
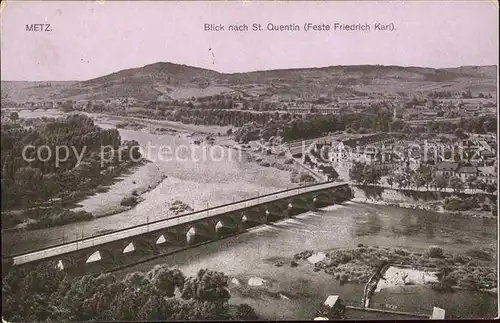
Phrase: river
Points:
(287, 293)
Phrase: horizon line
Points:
(257, 71)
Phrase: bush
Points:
(434, 252)
(129, 201)
(486, 207)
(469, 283)
(479, 254)
(56, 218)
(457, 204)
(458, 259)
(245, 313)
(306, 178)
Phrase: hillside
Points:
(172, 81)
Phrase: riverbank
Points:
(485, 205)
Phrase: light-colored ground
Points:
(142, 179)
(395, 276)
(317, 257)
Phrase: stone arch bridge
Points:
(128, 246)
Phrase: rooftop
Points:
(489, 170)
(467, 169)
(447, 166)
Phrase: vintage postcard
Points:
(227, 160)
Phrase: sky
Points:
(92, 39)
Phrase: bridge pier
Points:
(227, 225)
(253, 217)
(200, 233)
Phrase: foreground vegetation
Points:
(472, 270)
(45, 293)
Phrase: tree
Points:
(208, 285)
(424, 176)
(390, 180)
(45, 293)
(460, 133)
(14, 116)
(455, 183)
(491, 187)
(245, 313)
(419, 180)
(371, 175)
(472, 182)
(166, 279)
(356, 172)
(440, 182)
(404, 178)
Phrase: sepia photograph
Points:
(249, 160)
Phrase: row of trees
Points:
(424, 176)
(364, 173)
(45, 293)
(377, 118)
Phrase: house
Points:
(465, 172)
(299, 109)
(328, 109)
(488, 174)
(446, 168)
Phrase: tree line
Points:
(44, 293)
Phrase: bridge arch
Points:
(226, 225)
(253, 217)
(161, 239)
(199, 232)
(94, 257)
(129, 248)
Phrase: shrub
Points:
(468, 282)
(479, 254)
(345, 258)
(486, 207)
(458, 259)
(129, 201)
(245, 312)
(434, 252)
